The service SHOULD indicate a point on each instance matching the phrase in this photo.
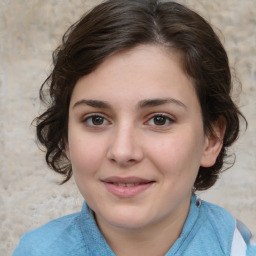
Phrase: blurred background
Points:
(29, 31)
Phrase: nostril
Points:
(124, 155)
(123, 162)
(131, 160)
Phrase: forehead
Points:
(145, 71)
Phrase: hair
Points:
(119, 25)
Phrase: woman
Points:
(141, 114)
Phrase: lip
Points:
(118, 186)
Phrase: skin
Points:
(133, 135)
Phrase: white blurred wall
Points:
(29, 31)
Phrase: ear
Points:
(213, 143)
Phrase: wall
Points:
(29, 31)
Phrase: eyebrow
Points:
(158, 102)
(147, 103)
(93, 103)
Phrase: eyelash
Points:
(89, 118)
(166, 117)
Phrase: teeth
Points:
(126, 184)
(121, 185)
(132, 184)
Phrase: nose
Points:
(125, 148)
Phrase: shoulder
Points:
(220, 219)
(233, 236)
(212, 230)
(243, 243)
(55, 237)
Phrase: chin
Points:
(128, 221)
(129, 224)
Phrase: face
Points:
(136, 138)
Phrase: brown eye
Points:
(160, 120)
(97, 120)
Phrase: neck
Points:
(143, 241)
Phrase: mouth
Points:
(127, 187)
(126, 184)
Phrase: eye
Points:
(160, 120)
(95, 120)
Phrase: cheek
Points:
(85, 155)
(177, 155)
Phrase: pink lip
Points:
(140, 185)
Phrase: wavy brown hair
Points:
(118, 25)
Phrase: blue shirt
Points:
(209, 230)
